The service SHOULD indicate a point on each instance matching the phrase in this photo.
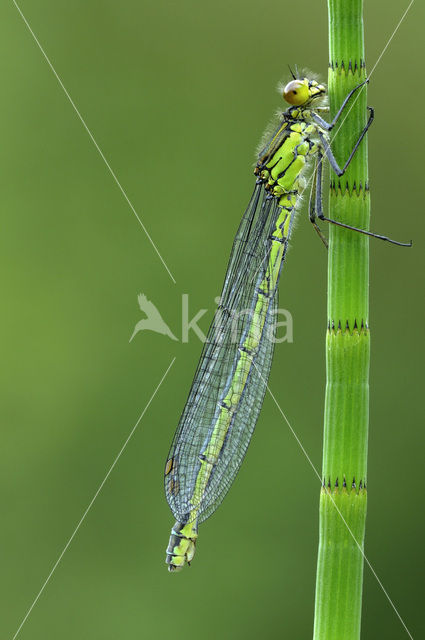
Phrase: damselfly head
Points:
(300, 91)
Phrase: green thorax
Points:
(282, 161)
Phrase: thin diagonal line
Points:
(391, 37)
(374, 66)
(92, 500)
(111, 171)
(333, 502)
(370, 74)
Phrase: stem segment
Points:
(343, 495)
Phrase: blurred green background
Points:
(177, 95)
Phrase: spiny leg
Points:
(329, 153)
(315, 194)
(328, 126)
(317, 210)
(366, 233)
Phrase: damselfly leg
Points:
(316, 201)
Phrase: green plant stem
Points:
(343, 495)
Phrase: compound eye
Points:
(296, 92)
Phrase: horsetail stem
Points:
(343, 495)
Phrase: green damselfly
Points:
(230, 381)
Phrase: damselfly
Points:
(230, 382)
